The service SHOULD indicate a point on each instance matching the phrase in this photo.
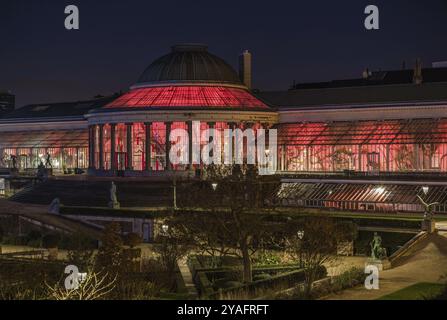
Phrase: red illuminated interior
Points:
(366, 146)
(188, 96)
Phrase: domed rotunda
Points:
(131, 134)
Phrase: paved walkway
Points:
(427, 265)
(187, 278)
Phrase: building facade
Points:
(361, 144)
(130, 134)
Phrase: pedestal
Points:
(429, 225)
(114, 205)
(381, 265)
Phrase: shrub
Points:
(50, 240)
(261, 276)
(34, 239)
(283, 281)
(80, 250)
(348, 279)
(133, 239)
(155, 273)
(37, 243)
(231, 284)
(109, 255)
(137, 290)
(34, 235)
(267, 258)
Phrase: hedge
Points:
(286, 280)
(290, 276)
(109, 212)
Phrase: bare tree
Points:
(316, 246)
(95, 286)
(233, 223)
(171, 247)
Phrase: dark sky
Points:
(298, 40)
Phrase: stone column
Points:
(148, 146)
(77, 157)
(266, 128)
(388, 160)
(283, 157)
(233, 127)
(91, 155)
(129, 162)
(211, 126)
(101, 147)
(360, 158)
(190, 165)
(307, 169)
(168, 146)
(417, 161)
(112, 146)
(249, 125)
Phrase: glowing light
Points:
(300, 234)
(214, 185)
(188, 96)
(379, 190)
(425, 190)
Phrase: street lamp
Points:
(214, 186)
(164, 229)
(425, 189)
(300, 235)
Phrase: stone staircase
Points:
(96, 193)
(24, 190)
(417, 243)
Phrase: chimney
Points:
(417, 74)
(366, 74)
(245, 68)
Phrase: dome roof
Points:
(189, 63)
(189, 97)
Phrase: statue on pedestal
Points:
(428, 224)
(113, 199)
(377, 251)
(55, 206)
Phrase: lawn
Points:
(418, 291)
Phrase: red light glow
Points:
(188, 96)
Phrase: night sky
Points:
(40, 61)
